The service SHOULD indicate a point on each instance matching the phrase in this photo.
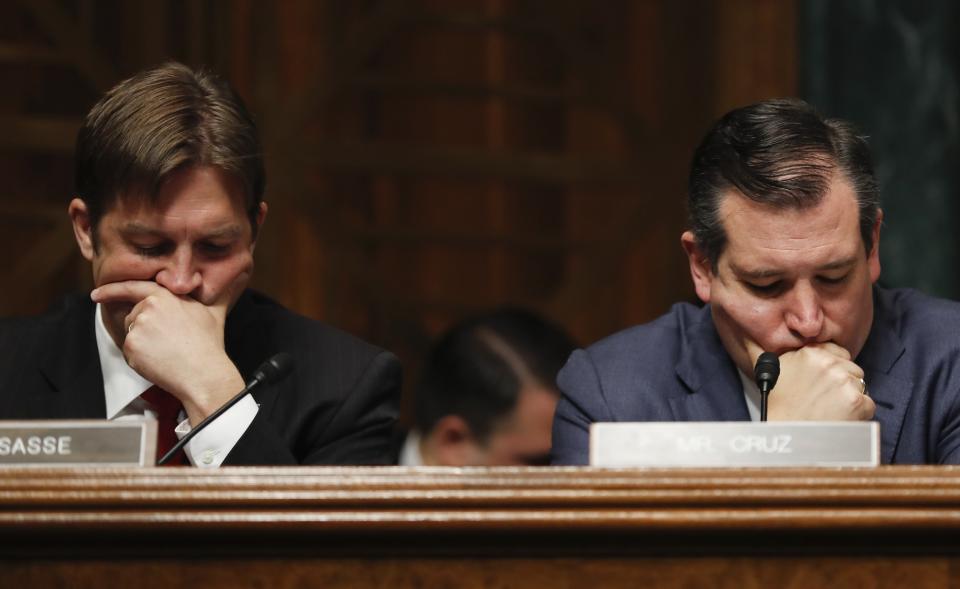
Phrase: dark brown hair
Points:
(158, 121)
(477, 368)
(781, 153)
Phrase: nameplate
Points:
(78, 442)
(735, 443)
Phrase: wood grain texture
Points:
(502, 527)
(514, 499)
(734, 573)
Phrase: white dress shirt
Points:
(122, 387)
(751, 393)
(410, 454)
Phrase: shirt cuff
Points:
(209, 448)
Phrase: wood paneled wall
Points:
(426, 159)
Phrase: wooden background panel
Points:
(426, 159)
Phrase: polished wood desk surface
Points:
(475, 527)
(357, 498)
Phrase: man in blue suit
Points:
(784, 252)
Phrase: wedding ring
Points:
(863, 386)
(130, 327)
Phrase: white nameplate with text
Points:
(735, 443)
(78, 442)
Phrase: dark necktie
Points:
(167, 408)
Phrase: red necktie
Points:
(168, 410)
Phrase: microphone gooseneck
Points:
(273, 370)
(766, 372)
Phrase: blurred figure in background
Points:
(488, 393)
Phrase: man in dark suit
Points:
(170, 181)
(784, 251)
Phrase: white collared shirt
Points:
(410, 454)
(751, 394)
(122, 387)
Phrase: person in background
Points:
(487, 393)
(167, 209)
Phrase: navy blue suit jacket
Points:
(676, 369)
(339, 405)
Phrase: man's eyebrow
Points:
(225, 232)
(135, 228)
(764, 273)
(228, 231)
(757, 274)
(844, 263)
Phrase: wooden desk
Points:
(504, 527)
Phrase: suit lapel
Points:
(713, 389)
(236, 336)
(70, 364)
(889, 391)
(247, 352)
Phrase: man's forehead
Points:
(734, 204)
(839, 197)
(186, 178)
(761, 238)
(140, 213)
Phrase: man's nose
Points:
(804, 315)
(180, 275)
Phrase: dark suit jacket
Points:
(676, 369)
(338, 406)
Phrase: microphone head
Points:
(274, 369)
(767, 370)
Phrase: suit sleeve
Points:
(581, 403)
(357, 431)
(952, 454)
(948, 437)
(363, 429)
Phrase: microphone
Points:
(273, 370)
(766, 373)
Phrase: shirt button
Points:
(208, 456)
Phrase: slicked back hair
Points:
(159, 121)
(780, 153)
(478, 368)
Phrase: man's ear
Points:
(873, 256)
(701, 269)
(452, 442)
(261, 217)
(82, 229)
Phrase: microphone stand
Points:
(273, 370)
(766, 372)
